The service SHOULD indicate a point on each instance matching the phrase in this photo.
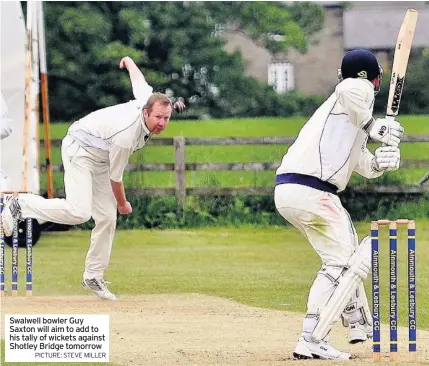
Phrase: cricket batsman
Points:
(329, 148)
(95, 152)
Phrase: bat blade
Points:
(400, 61)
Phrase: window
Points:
(281, 76)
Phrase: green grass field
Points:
(255, 127)
(269, 268)
(265, 268)
(260, 126)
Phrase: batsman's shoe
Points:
(11, 211)
(305, 350)
(359, 333)
(99, 288)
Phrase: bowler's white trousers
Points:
(88, 194)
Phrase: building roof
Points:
(331, 4)
(378, 29)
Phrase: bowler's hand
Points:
(123, 64)
(125, 209)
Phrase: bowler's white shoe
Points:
(359, 333)
(305, 350)
(11, 211)
(99, 288)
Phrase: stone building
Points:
(372, 25)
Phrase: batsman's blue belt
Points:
(306, 180)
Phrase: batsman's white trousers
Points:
(88, 194)
(321, 218)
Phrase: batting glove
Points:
(386, 158)
(385, 130)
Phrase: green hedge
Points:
(233, 211)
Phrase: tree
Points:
(415, 94)
(175, 45)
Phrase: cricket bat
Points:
(400, 62)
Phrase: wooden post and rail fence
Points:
(180, 167)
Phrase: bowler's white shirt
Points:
(332, 144)
(112, 134)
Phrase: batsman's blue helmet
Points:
(360, 63)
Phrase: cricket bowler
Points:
(95, 152)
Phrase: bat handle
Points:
(390, 118)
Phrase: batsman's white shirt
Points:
(332, 144)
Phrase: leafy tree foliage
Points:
(176, 46)
(415, 93)
(262, 20)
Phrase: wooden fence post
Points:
(179, 168)
(424, 179)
